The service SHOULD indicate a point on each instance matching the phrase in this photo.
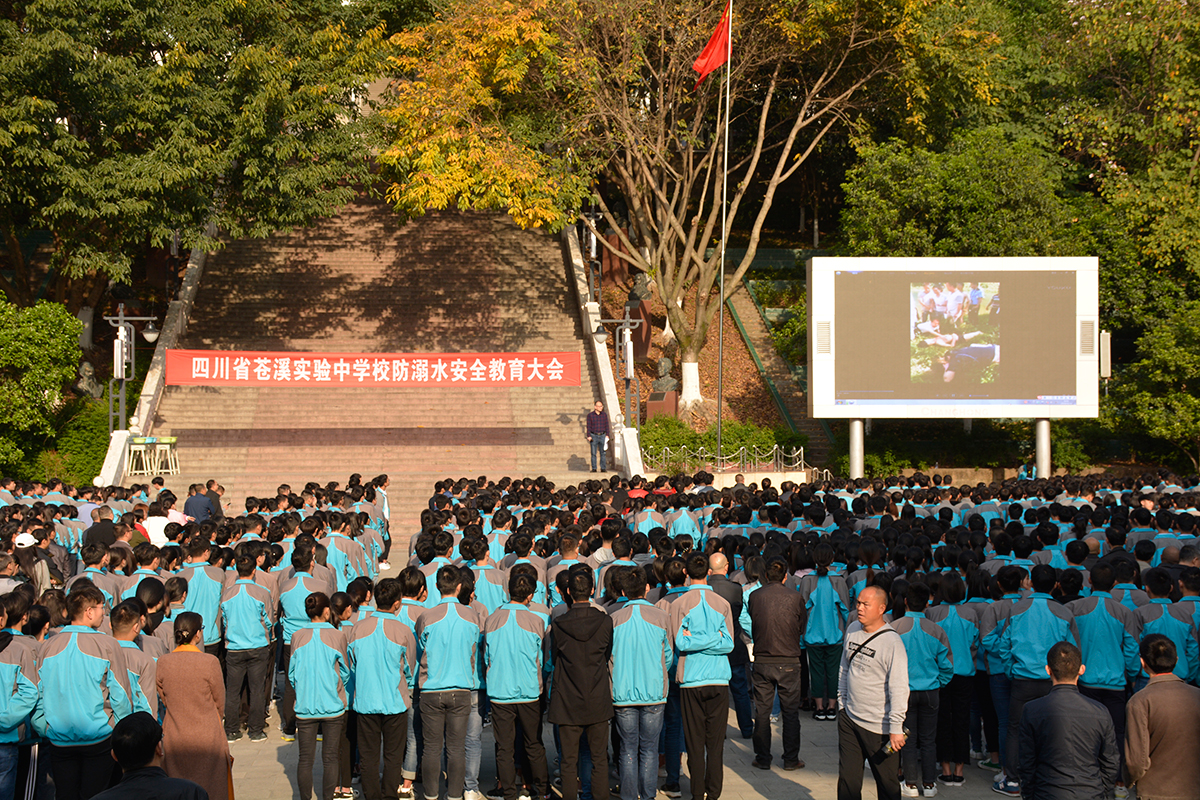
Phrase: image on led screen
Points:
(939, 337)
(955, 331)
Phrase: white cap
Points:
(25, 540)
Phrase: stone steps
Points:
(361, 282)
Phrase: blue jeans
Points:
(598, 447)
(474, 744)
(8, 770)
(1001, 692)
(412, 752)
(739, 691)
(638, 727)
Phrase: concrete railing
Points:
(142, 421)
(627, 452)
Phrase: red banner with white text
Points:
(234, 368)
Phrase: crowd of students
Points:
(627, 614)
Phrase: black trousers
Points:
(444, 722)
(1114, 701)
(705, 712)
(251, 667)
(954, 720)
(332, 730)
(987, 712)
(856, 744)
(506, 718)
(390, 731)
(82, 771)
(920, 751)
(287, 705)
(1023, 690)
(597, 739)
(767, 679)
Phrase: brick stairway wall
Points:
(361, 282)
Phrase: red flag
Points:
(716, 52)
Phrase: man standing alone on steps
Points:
(597, 434)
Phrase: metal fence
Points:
(670, 460)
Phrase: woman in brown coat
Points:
(193, 693)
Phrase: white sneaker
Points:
(930, 790)
(469, 795)
(908, 790)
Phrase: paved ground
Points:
(267, 770)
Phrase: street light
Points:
(123, 359)
(623, 344)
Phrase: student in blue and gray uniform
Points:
(383, 657)
(702, 629)
(319, 670)
(930, 667)
(1034, 626)
(642, 655)
(960, 621)
(514, 639)
(19, 680)
(449, 637)
(83, 692)
(1108, 638)
(248, 622)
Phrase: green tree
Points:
(1159, 395)
(39, 356)
(123, 124)
(523, 106)
(1131, 119)
(985, 195)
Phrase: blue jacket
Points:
(930, 664)
(701, 627)
(642, 654)
(246, 616)
(346, 557)
(432, 595)
(961, 625)
(491, 586)
(1108, 638)
(292, 595)
(383, 657)
(83, 688)
(206, 584)
(143, 688)
(514, 654)
(992, 623)
(828, 602)
(449, 638)
(1156, 618)
(319, 671)
(18, 692)
(1035, 625)
(1130, 596)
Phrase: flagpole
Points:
(724, 234)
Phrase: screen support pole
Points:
(856, 448)
(1042, 437)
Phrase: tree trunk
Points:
(689, 395)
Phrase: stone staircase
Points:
(362, 282)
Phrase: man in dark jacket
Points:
(739, 659)
(137, 747)
(581, 699)
(777, 615)
(1068, 746)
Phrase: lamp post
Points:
(623, 345)
(123, 359)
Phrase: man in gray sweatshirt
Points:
(873, 697)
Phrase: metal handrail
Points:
(744, 459)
